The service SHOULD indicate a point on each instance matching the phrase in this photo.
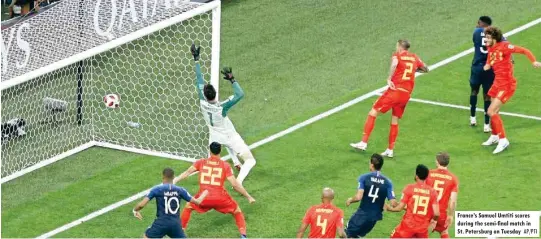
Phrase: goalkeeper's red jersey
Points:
(404, 74)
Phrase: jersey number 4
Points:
(210, 176)
(373, 193)
(408, 71)
(322, 224)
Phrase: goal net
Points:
(58, 65)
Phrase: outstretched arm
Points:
(239, 188)
(199, 83)
(185, 174)
(523, 51)
(238, 93)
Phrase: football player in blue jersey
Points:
(168, 197)
(372, 190)
(480, 77)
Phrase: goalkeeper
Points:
(221, 128)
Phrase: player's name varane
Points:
(493, 215)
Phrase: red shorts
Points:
(224, 204)
(502, 93)
(392, 99)
(403, 232)
(440, 225)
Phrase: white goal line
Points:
(281, 133)
(468, 108)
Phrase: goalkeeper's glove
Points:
(195, 52)
(228, 74)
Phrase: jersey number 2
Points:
(211, 175)
(322, 224)
(407, 71)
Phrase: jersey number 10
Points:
(167, 203)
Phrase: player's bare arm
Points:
(239, 188)
(394, 64)
(341, 232)
(398, 208)
(200, 199)
(302, 229)
(358, 197)
(527, 53)
(452, 208)
(137, 210)
(185, 174)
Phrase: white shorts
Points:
(231, 141)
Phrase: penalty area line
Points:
(283, 133)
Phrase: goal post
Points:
(138, 49)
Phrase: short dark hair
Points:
(443, 158)
(168, 173)
(377, 161)
(495, 33)
(421, 172)
(404, 44)
(215, 148)
(209, 92)
(486, 20)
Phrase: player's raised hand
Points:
(391, 85)
(195, 52)
(138, 215)
(228, 74)
(537, 64)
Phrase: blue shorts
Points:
(161, 228)
(359, 225)
(480, 77)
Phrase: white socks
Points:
(249, 163)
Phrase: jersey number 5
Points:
(407, 71)
(322, 224)
(437, 186)
(420, 201)
(210, 176)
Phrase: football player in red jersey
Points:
(446, 184)
(213, 174)
(324, 219)
(401, 81)
(422, 209)
(504, 86)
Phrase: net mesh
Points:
(153, 75)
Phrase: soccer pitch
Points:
(305, 62)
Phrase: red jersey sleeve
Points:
(419, 62)
(197, 164)
(521, 50)
(228, 170)
(406, 195)
(308, 216)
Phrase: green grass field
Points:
(307, 57)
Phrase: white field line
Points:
(281, 133)
(468, 108)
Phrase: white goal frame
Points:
(214, 6)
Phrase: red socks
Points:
(497, 126)
(185, 217)
(368, 127)
(241, 223)
(445, 235)
(393, 133)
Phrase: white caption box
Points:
(497, 224)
